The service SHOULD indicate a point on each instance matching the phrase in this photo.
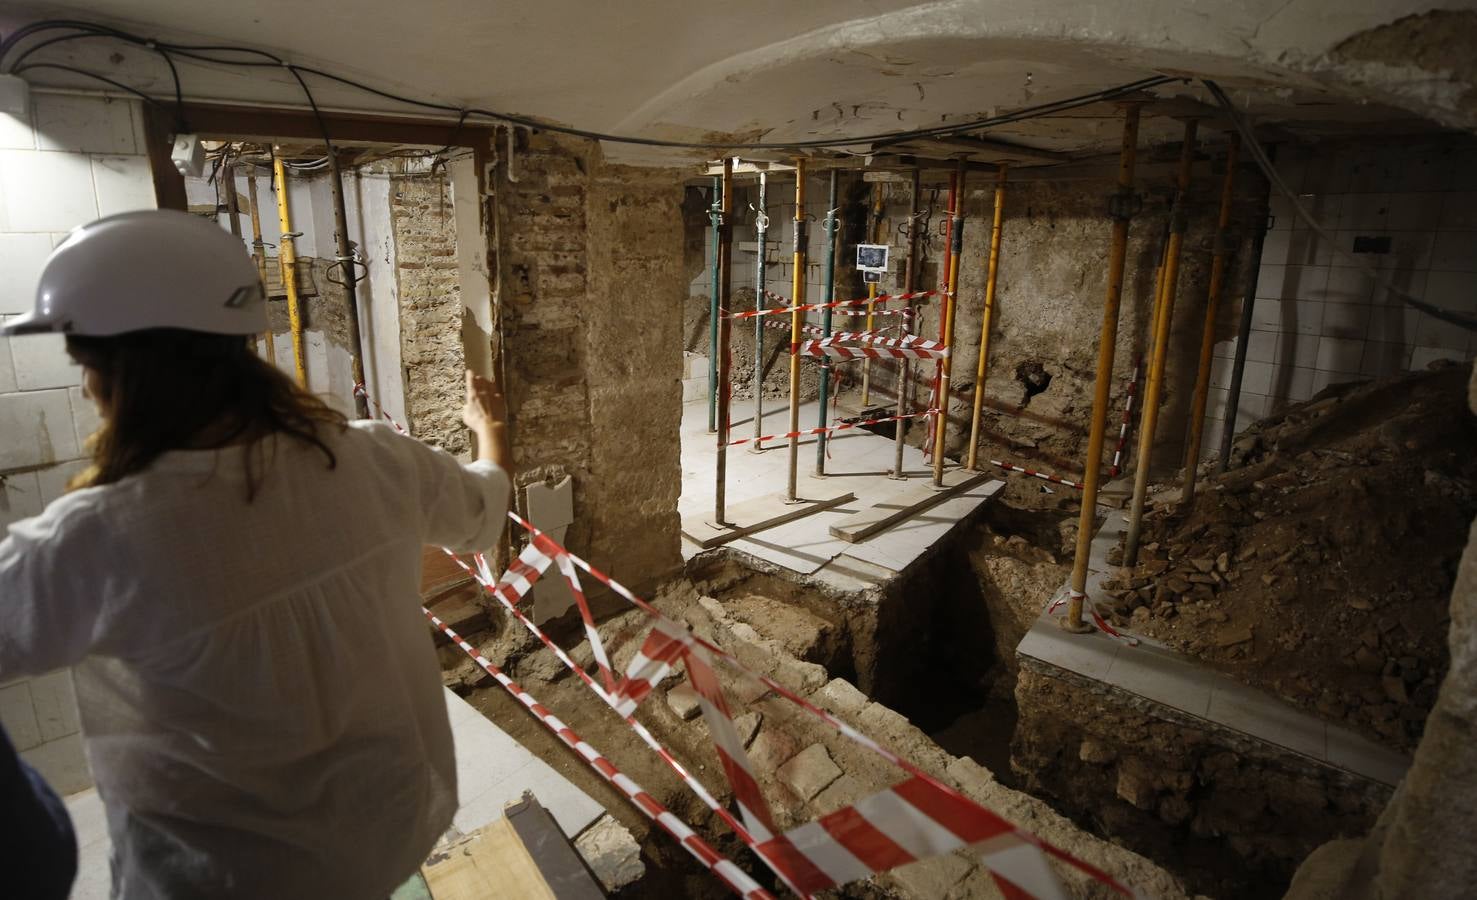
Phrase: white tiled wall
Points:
(65, 161)
(1319, 318)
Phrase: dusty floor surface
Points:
(1319, 566)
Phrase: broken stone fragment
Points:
(1223, 563)
(747, 726)
(612, 853)
(684, 701)
(1395, 689)
(809, 772)
(1096, 752)
(1203, 565)
(1233, 636)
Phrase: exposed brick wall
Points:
(430, 305)
(590, 299)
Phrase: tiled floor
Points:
(492, 770)
(859, 462)
(1164, 676)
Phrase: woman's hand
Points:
(486, 413)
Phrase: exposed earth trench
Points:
(927, 665)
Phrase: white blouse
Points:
(260, 698)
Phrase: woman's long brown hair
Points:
(167, 389)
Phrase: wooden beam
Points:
(169, 184)
(213, 121)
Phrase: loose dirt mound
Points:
(1320, 565)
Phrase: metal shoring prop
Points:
(987, 318)
(875, 226)
(1243, 331)
(1207, 337)
(797, 299)
(287, 260)
(956, 245)
(761, 233)
(1121, 208)
(1149, 417)
(259, 256)
(713, 313)
(831, 225)
(904, 376)
(725, 331)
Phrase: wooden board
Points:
(755, 515)
(912, 501)
(489, 864)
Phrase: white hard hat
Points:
(153, 269)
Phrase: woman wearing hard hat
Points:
(235, 580)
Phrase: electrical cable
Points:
(204, 53)
(1249, 140)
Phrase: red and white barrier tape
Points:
(737, 879)
(361, 391)
(1044, 476)
(906, 311)
(828, 429)
(1123, 426)
(1097, 618)
(835, 304)
(878, 339)
(805, 328)
(819, 348)
(915, 819)
(510, 584)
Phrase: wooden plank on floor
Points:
(911, 501)
(756, 515)
(489, 864)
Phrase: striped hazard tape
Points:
(835, 304)
(915, 819)
(878, 339)
(737, 879)
(805, 328)
(1097, 617)
(817, 348)
(1044, 476)
(1123, 426)
(905, 311)
(845, 426)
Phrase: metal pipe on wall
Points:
(831, 225)
(797, 298)
(713, 215)
(935, 400)
(259, 256)
(725, 329)
(761, 236)
(910, 282)
(956, 247)
(987, 318)
(350, 284)
(1212, 306)
(1121, 208)
(874, 226)
(1149, 418)
(1243, 332)
(287, 259)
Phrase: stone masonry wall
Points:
(1231, 817)
(430, 306)
(590, 302)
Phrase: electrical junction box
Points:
(871, 258)
(188, 155)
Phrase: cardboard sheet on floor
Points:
(756, 515)
(906, 504)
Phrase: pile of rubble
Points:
(1319, 566)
